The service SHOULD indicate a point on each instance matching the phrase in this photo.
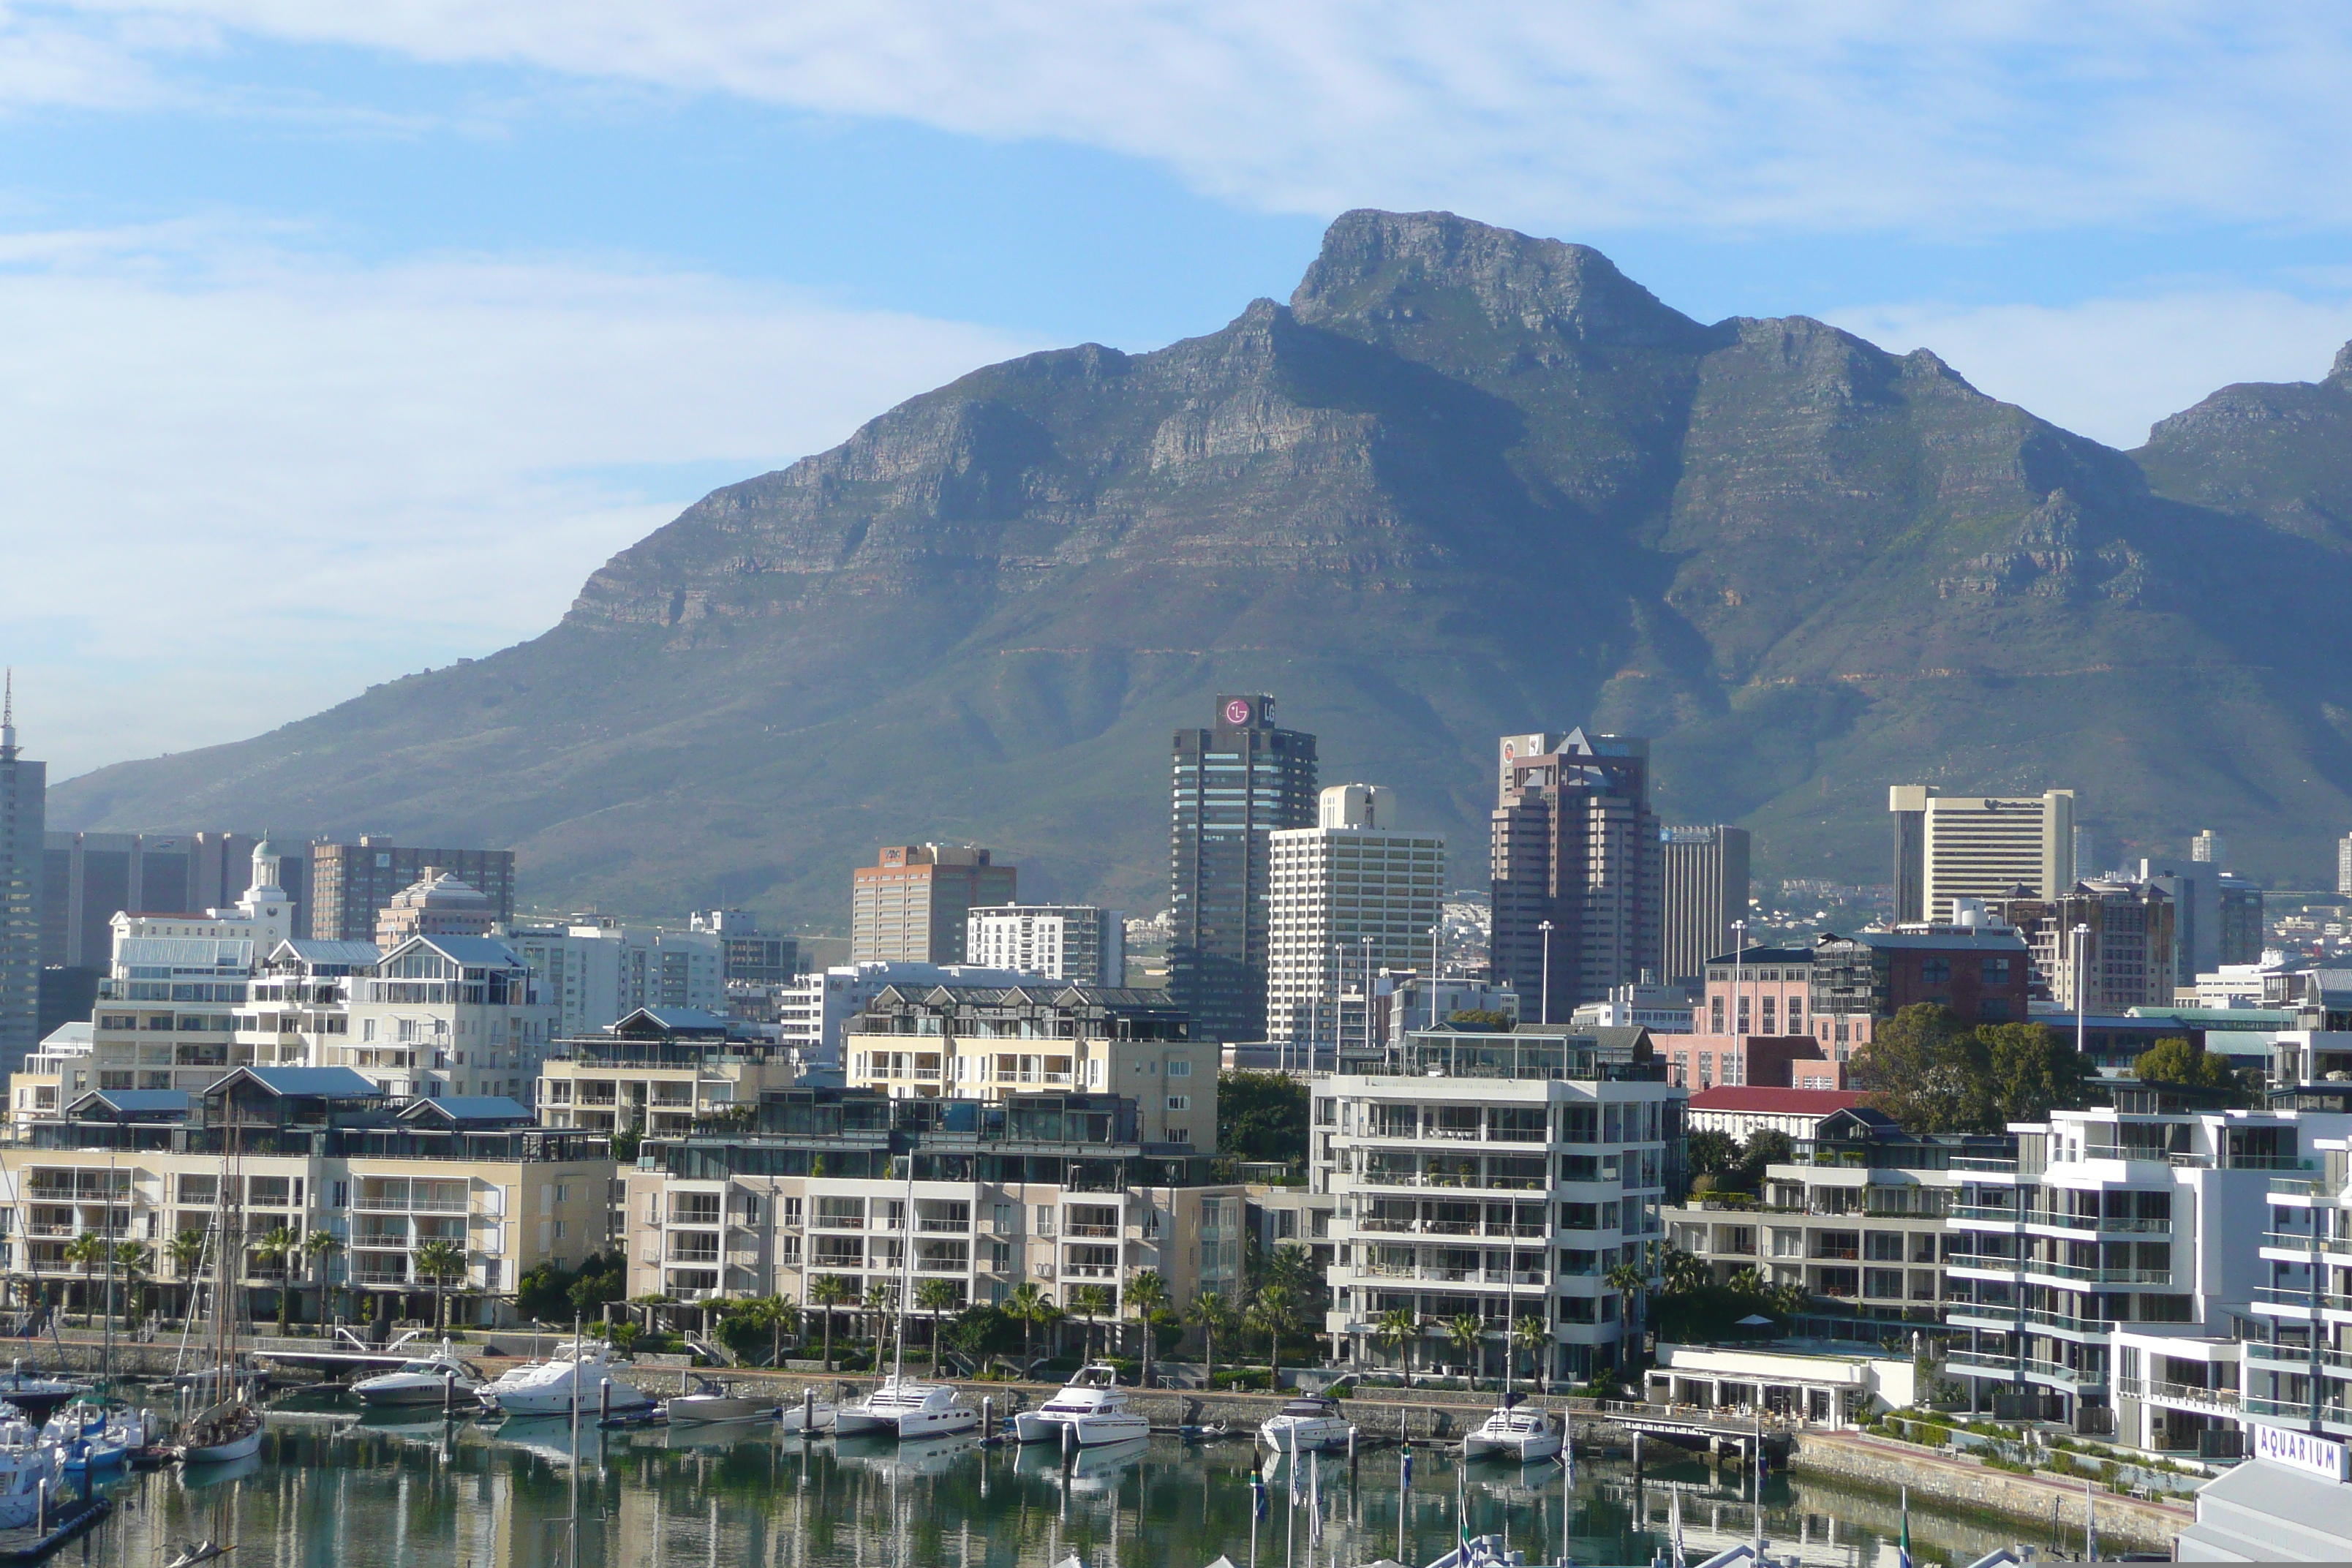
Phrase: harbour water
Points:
(334, 1489)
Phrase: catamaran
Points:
(1512, 1433)
(903, 1406)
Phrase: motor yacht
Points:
(1512, 1432)
(1092, 1405)
(712, 1401)
(1304, 1426)
(549, 1388)
(909, 1409)
(809, 1415)
(428, 1380)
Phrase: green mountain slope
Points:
(1464, 483)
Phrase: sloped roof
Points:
(135, 1101)
(469, 1107)
(485, 951)
(310, 950)
(331, 1083)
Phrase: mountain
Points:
(1465, 482)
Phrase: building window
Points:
(1180, 1103)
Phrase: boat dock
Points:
(31, 1543)
(1716, 1434)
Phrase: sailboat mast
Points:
(906, 1264)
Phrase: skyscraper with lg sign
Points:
(1233, 785)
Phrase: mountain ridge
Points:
(1464, 483)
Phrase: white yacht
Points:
(908, 1409)
(427, 1380)
(1512, 1432)
(93, 1434)
(714, 1402)
(812, 1417)
(1092, 1404)
(25, 1461)
(1304, 1425)
(546, 1388)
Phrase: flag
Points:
(1462, 1520)
(1315, 1504)
(1903, 1552)
(1677, 1527)
(1408, 1467)
(1257, 1495)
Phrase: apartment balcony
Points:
(1110, 1231)
(2098, 1276)
(2300, 1247)
(1986, 1214)
(944, 1226)
(1979, 1361)
(2296, 1358)
(1972, 1162)
(2188, 1395)
(838, 1222)
(2296, 1410)
(2065, 1376)
(2297, 1298)
(2101, 1223)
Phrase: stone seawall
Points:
(2029, 1500)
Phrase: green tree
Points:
(881, 1301)
(1272, 1312)
(1712, 1153)
(86, 1251)
(828, 1291)
(1765, 1147)
(2035, 1070)
(438, 1261)
(1030, 1307)
(320, 1247)
(1091, 1301)
(935, 1298)
(2178, 1060)
(1212, 1312)
(1262, 1116)
(186, 1251)
(1927, 1071)
(1469, 1331)
(276, 1253)
(1147, 1300)
(1627, 1281)
(1399, 1327)
(1682, 1272)
(1532, 1334)
(131, 1262)
(1481, 1018)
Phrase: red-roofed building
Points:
(1740, 1111)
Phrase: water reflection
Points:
(349, 1491)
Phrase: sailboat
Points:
(1512, 1433)
(229, 1428)
(906, 1408)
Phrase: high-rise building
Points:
(2085, 861)
(87, 879)
(2344, 864)
(596, 973)
(1706, 880)
(1575, 847)
(436, 904)
(1977, 846)
(24, 787)
(353, 884)
(2127, 953)
(1347, 898)
(1235, 785)
(2208, 847)
(909, 907)
(1076, 943)
(751, 955)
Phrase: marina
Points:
(334, 1485)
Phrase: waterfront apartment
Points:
(989, 1041)
(304, 1150)
(838, 1184)
(1500, 1176)
(445, 1016)
(658, 1071)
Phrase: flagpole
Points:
(1903, 1552)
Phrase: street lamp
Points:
(2082, 983)
(1367, 943)
(1739, 965)
(1546, 1006)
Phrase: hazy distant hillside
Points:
(1464, 483)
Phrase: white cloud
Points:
(1944, 118)
(241, 487)
(2110, 368)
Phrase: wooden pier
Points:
(31, 1543)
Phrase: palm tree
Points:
(1090, 1302)
(935, 1297)
(783, 1318)
(186, 1251)
(1031, 1308)
(1627, 1281)
(1399, 1327)
(1209, 1313)
(1533, 1335)
(87, 1251)
(276, 1253)
(1469, 1331)
(439, 1261)
(881, 1298)
(131, 1262)
(1147, 1297)
(320, 1246)
(1273, 1310)
(830, 1291)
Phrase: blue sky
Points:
(342, 341)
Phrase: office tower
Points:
(87, 878)
(2085, 860)
(1575, 845)
(1078, 943)
(1977, 846)
(436, 904)
(2209, 847)
(751, 955)
(909, 907)
(1345, 899)
(1706, 880)
(23, 787)
(353, 884)
(1234, 786)
(1510, 749)
(2129, 956)
(2344, 864)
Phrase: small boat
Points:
(35, 1397)
(811, 1416)
(547, 1388)
(93, 1435)
(1210, 1432)
(433, 1379)
(908, 1410)
(230, 1430)
(713, 1401)
(1512, 1432)
(1304, 1425)
(1091, 1405)
(27, 1465)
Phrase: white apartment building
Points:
(1077, 943)
(1980, 846)
(596, 972)
(446, 1016)
(1344, 898)
(657, 1071)
(1500, 1176)
(1660, 1009)
(812, 1009)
